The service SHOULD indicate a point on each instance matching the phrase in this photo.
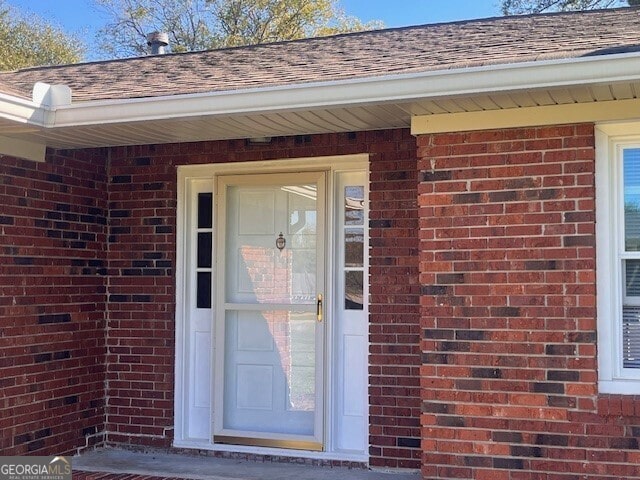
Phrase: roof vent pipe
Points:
(158, 42)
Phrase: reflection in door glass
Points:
(302, 229)
(354, 205)
(354, 247)
(302, 379)
(353, 287)
(258, 271)
(270, 385)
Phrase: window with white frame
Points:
(618, 257)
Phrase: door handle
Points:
(319, 307)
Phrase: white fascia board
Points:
(23, 111)
(390, 88)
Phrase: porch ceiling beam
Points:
(613, 110)
(22, 149)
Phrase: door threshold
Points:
(268, 442)
(259, 451)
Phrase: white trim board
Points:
(611, 140)
(22, 149)
(618, 110)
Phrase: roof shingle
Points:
(493, 41)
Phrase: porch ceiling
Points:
(303, 121)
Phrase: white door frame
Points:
(187, 367)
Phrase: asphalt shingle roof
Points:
(492, 41)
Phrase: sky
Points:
(81, 18)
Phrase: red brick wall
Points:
(482, 301)
(507, 262)
(142, 296)
(394, 307)
(140, 337)
(52, 303)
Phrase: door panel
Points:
(269, 342)
(270, 372)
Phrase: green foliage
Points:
(131, 20)
(245, 22)
(26, 42)
(518, 7)
(205, 24)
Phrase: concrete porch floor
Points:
(118, 464)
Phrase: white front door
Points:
(269, 327)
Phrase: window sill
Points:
(619, 387)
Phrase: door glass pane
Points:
(631, 161)
(204, 249)
(353, 290)
(205, 206)
(257, 270)
(302, 229)
(270, 371)
(353, 247)
(354, 205)
(203, 287)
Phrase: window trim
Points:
(611, 139)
